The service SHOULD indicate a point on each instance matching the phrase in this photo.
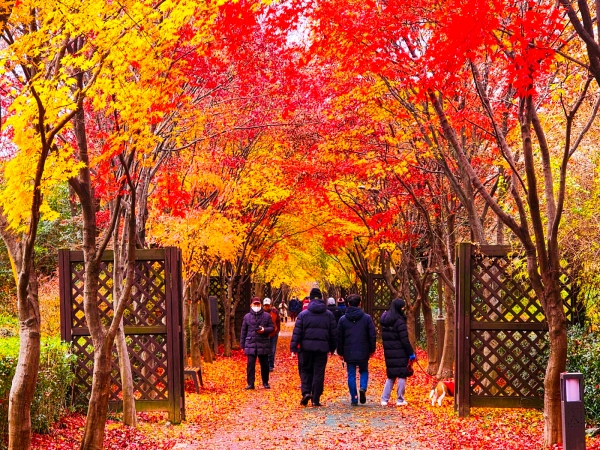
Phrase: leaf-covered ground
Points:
(224, 415)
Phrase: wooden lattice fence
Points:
(152, 324)
(501, 339)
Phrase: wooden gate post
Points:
(463, 322)
(174, 341)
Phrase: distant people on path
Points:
(254, 340)
(274, 335)
(306, 302)
(356, 344)
(283, 311)
(295, 308)
(396, 350)
(341, 303)
(332, 306)
(314, 336)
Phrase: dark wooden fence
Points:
(152, 324)
(501, 339)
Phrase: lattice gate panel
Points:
(502, 345)
(152, 324)
(379, 298)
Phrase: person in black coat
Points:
(254, 340)
(331, 306)
(356, 344)
(314, 336)
(396, 350)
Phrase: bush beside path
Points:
(225, 416)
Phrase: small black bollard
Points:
(572, 411)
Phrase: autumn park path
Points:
(224, 416)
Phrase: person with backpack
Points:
(356, 344)
(397, 351)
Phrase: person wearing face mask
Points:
(254, 340)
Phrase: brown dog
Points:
(441, 390)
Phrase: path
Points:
(274, 419)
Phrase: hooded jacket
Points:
(315, 329)
(396, 346)
(336, 312)
(254, 343)
(356, 335)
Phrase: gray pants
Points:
(387, 389)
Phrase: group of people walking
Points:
(323, 329)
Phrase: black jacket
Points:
(315, 329)
(252, 342)
(396, 346)
(356, 335)
(336, 312)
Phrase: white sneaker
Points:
(403, 403)
(383, 403)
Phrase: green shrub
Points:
(9, 325)
(584, 356)
(53, 384)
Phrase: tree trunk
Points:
(186, 322)
(227, 343)
(411, 323)
(93, 438)
(195, 330)
(432, 365)
(557, 335)
(127, 389)
(207, 328)
(23, 383)
(446, 366)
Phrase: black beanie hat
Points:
(315, 293)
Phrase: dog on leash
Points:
(440, 390)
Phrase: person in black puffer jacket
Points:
(396, 350)
(313, 337)
(356, 344)
(331, 306)
(254, 340)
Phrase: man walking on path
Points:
(356, 344)
(314, 336)
(274, 336)
(254, 340)
(332, 306)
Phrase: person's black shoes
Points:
(305, 399)
(249, 387)
(266, 386)
(363, 396)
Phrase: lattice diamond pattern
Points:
(508, 363)
(382, 293)
(496, 296)
(148, 353)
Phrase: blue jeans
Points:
(363, 369)
(273, 341)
